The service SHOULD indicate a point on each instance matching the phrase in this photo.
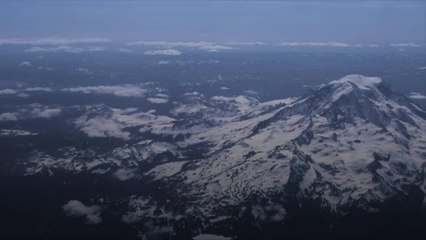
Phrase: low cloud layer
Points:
(38, 89)
(159, 98)
(415, 95)
(66, 48)
(8, 91)
(31, 111)
(326, 44)
(75, 208)
(111, 122)
(51, 41)
(8, 116)
(126, 90)
(167, 52)
(25, 64)
(405, 45)
(205, 46)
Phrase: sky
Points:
(364, 21)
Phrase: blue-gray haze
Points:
(379, 22)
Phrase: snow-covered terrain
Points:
(354, 142)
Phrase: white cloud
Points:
(170, 44)
(328, 44)
(157, 100)
(415, 95)
(25, 64)
(195, 93)
(161, 95)
(215, 48)
(126, 90)
(315, 44)
(38, 89)
(163, 62)
(206, 46)
(34, 110)
(101, 127)
(51, 41)
(49, 113)
(168, 52)
(111, 122)
(8, 117)
(22, 95)
(405, 45)
(124, 174)
(236, 43)
(15, 132)
(7, 91)
(75, 208)
(65, 48)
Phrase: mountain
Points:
(353, 143)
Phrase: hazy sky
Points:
(270, 21)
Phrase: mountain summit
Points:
(352, 142)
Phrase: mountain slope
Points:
(353, 143)
(353, 140)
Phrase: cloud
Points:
(34, 110)
(163, 62)
(49, 113)
(269, 213)
(101, 127)
(206, 46)
(235, 43)
(8, 117)
(124, 174)
(83, 70)
(67, 49)
(126, 90)
(111, 122)
(7, 91)
(157, 100)
(15, 132)
(314, 44)
(22, 95)
(328, 44)
(415, 95)
(45, 68)
(52, 41)
(405, 45)
(168, 52)
(215, 48)
(75, 208)
(25, 64)
(38, 89)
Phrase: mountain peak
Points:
(360, 81)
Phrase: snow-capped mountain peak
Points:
(360, 81)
